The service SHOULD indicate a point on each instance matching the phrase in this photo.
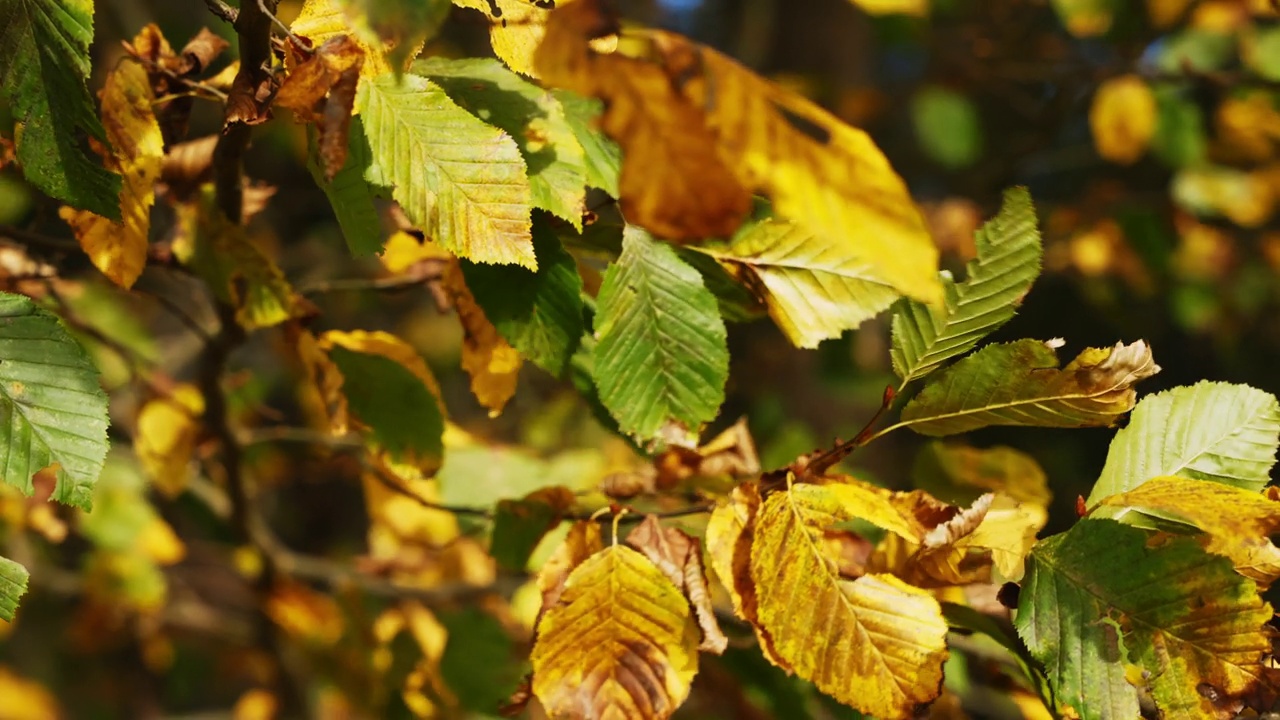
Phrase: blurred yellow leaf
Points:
(1249, 126)
(516, 27)
(620, 642)
(305, 613)
(919, 8)
(25, 699)
(1123, 118)
(1166, 13)
(1245, 198)
(885, 640)
(1086, 18)
(403, 250)
(700, 134)
(167, 431)
(256, 704)
(1236, 522)
(119, 250)
(494, 366)
(157, 542)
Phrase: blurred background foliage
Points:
(1148, 133)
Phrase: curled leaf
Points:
(679, 557)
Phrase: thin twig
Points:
(37, 240)
(359, 284)
(832, 457)
(283, 433)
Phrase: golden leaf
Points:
(1235, 522)
(403, 250)
(26, 699)
(882, 642)
(701, 133)
(679, 557)
(167, 432)
(582, 542)
(621, 642)
(494, 366)
(321, 20)
(1123, 118)
(119, 250)
(958, 473)
(324, 382)
(516, 28)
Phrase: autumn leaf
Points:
(322, 90)
(995, 281)
(461, 181)
(1236, 522)
(516, 28)
(694, 156)
(620, 642)
(679, 556)
(1123, 119)
(168, 427)
(730, 532)
(323, 20)
(1103, 596)
(1019, 383)
(305, 614)
(119, 249)
(959, 474)
(582, 542)
(519, 525)
(815, 289)
(1208, 431)
(392, 393)
(494, 366)
(894, 637)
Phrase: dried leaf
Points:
(322, 90)
(679, 557)
(119, 249)
(620, 643)
(582, 542)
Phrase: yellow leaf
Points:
(305, 613)
(883, 642)
(403, 250)
(700, 134)
(679, 557)
(1086, 18)
(325, 380)
(494, 366)
(25, 699)
(516, 28)
(1236, 522)
(919, 8)
(1123, 118)
(166, 437)
(157, 542)
(582, 542)
(620, 643)
(256, 704)
(322, 20)
(1245, 198)
(119, 250)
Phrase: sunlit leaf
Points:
(494, 366)
(168, 427)
(815, 289)
(1008, 262)
(13, 584)
(305, 614)
(884, 641)
(583, 541)
(52, 408)
(1102, 597)
(539, 313)
(1020, 383)
(119, 249)
(701, 133)
(1123, 118)
(44, 62)
(1237, 523)
(322, 20)
(516, 27)
(31, 699)
(392, 393)
(620, 642)
(460, 180)
(661, 353)
(1208, 431)
(530, 115)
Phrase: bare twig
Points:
(222, 10)
(359, 284)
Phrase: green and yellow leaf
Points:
(1008, 262)
(13, 585)
(1208, 431)
(1020, 383)
(494, 366)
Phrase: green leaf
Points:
(814, 289)
(406, 24)
(539, 313)
(948, 126)
(528, 113)
(400, 411)
(1208, 431)
(350, 195)
(44, 62)
(1180, 139)
(1019, 383)
(1103, 595)
(603, 156)
(518, 527)
(13, 584)
(461, 181)
(52, 409)
(661, 354)
(1008, 262)
(480, 665)
(482, 475)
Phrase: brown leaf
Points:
(170, 75)
(679, 557)
(732, 453)
(200, 52)
(322, 89)
(582, 542)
